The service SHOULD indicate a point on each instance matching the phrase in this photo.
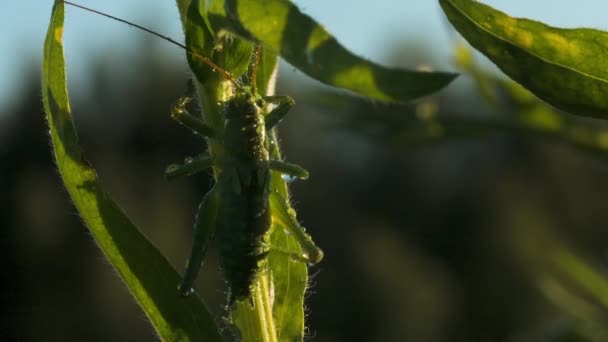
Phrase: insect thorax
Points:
(244, 129)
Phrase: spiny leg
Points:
(204, 225)
(190, 167)
(289, 169)
(283, 105)
(285, 216)
(180, 114)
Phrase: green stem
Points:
(253, 316)
(264, 309)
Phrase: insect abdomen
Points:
(243, 225)
(244, 218)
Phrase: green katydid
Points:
(237, 211)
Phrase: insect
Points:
(236, 211)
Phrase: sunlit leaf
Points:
(561, 66)
(267, 69)
(148, 275)
(280, 27)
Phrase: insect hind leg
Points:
(283, 215)
(204, 225)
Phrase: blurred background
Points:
(468, 216)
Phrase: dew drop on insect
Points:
(288, 178)
(186, 292)
(306, 256)
(188, 160)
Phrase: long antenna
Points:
(205, 59)
(256, 63)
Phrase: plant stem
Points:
(253, 316)
(264, 308)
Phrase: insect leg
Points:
(180, 114)
(283, 105)
(289, 169)
(190, 167)
(285, 216)
(204, 225)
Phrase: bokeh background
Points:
(497, 237)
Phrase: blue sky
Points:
(364, 29)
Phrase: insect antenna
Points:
(195, 54)
(254, 68)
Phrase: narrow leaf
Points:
(280, 27)
(148, 275)
(561, 66)
(267, 70)
(289, 277)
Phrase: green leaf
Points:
(280, 27)
(267, 69)
(198, 38)
(561, 66)
(148, 275)
(291, 286)
(290, 278)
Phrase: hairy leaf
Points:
(148, 275)
(280, 27)
(561, 66)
